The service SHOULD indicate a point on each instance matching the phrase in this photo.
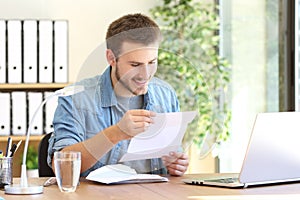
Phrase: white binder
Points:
(2, 51)
(5, 114)
(49, 111)
(45, 51)
(19, 117)
(30, 51)
(34, 101)
(60, 51)
(14, 51)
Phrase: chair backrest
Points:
(44, 169)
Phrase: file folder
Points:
(2, 51)
(19, 117)
(14, 51)
(49, 112)
(30, 51)
(34, 101)
(45, 51)
(61, 51)
(5, 114)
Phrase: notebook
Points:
(272, 156)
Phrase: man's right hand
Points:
(135, 121)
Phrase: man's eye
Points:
(135, 65)
(153, 63)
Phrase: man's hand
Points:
(176, 163)
(135, 122)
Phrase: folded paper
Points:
(163, 136)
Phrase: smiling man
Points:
(119, 104)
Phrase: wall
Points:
(88, 21)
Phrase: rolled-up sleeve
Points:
(68, 127)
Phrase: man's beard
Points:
(137, 91)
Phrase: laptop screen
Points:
(273, 153)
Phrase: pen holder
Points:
(6, 172)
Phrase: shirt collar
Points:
(108, 96)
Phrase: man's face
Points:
(134, 69)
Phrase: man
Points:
(119, 104)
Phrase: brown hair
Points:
(136, 28)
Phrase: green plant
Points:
(189, 60)
(32, 158)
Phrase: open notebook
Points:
(272, 156)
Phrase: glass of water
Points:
(67, 170)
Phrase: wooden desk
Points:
(174, 189)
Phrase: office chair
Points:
(44, 169)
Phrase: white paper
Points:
(114, 174)
(163, 136)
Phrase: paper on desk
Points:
(163, 136)
(115, 174)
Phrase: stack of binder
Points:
(37, 51)
(18, 108)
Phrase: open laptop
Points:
(272, 156)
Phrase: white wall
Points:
(88, 21)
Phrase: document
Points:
(5, 114)
(14, 51)
(45, 51)
(60, 51)
(34, 100)
(30, 51)
(120, 174)
(2, 51)
(163, 136)
(19, 117)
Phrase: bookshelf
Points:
(31, 86)
(34, 139)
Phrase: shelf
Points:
(17, 138)
(32, 86)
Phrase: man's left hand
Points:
(176, 163)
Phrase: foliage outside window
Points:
(189, 60)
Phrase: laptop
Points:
(272, 156)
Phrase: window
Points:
(252, 33)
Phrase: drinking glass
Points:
(67, 170)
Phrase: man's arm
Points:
(92, 149)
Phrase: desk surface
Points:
(174, 189)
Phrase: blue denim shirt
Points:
(85, 114)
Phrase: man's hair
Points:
(135, 28)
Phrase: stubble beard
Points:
(136, 92)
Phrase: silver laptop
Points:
(272, 156)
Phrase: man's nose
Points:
(145, 71)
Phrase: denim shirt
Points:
(85, 114)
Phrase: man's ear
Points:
(110, 57)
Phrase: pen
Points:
(19, 143)
(13, 150)
(8, 146)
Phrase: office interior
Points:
(258, 38)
